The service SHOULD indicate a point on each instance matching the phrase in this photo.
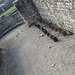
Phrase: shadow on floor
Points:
(10, 63)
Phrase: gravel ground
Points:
(25, 52)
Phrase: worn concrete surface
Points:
(28, 54)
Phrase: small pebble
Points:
(41, 35)
(49, 47)
(73, 59)
(53, 65)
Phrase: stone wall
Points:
(9, 22)
(61, 12)
(28, 11)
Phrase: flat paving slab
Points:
(26, 53)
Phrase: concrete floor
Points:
(29, 54)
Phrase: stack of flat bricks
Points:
(28, 11)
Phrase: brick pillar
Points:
(28, 11)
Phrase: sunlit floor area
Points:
(26, 52)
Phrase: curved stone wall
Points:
(10, 21)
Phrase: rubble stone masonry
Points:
(61, 12)
(28, 11)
